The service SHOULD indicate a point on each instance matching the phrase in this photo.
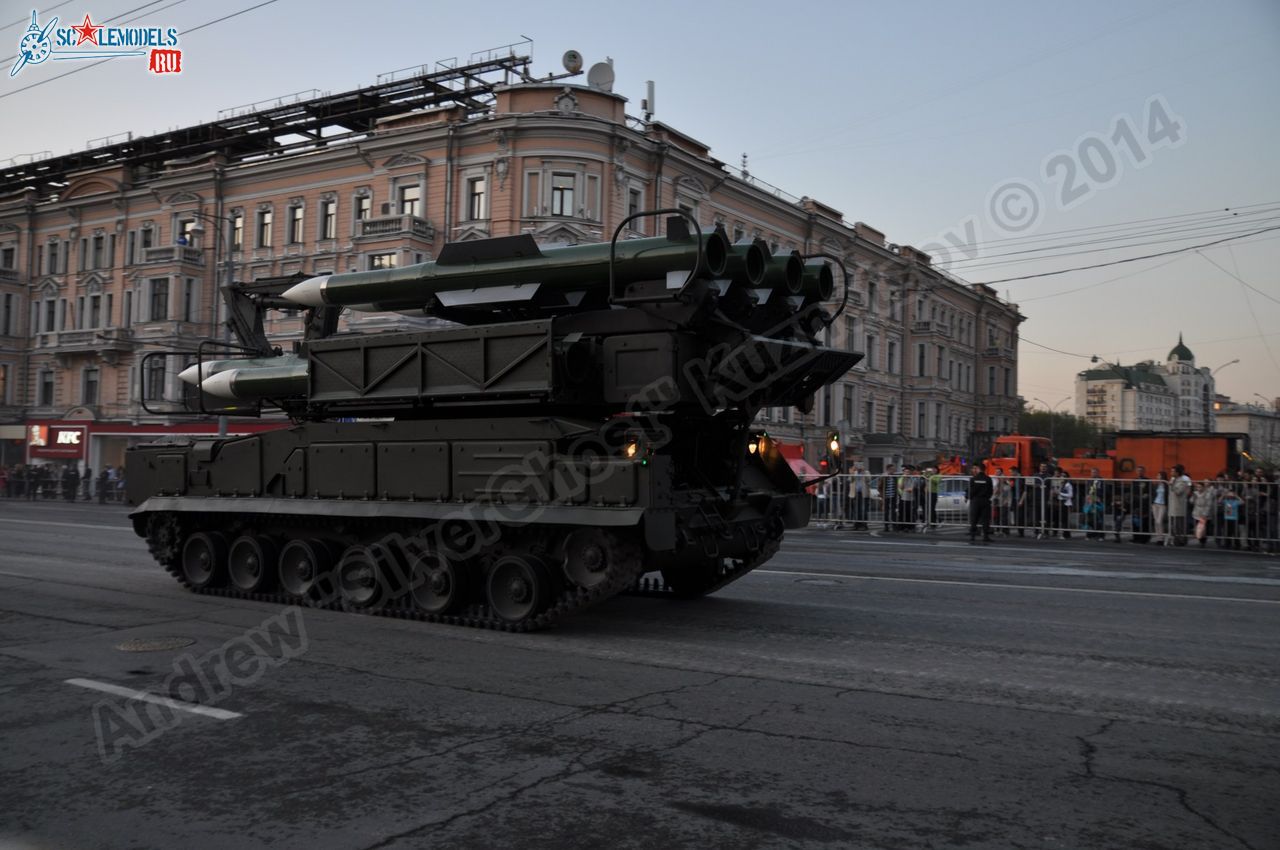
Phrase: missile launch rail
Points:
(581, 425)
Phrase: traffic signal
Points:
(833, 443)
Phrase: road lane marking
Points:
(129, 693)
(978, 546)
(69, 524)
(1021, 586)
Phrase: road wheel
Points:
(204, 559)
(438, 584)
(301, 564)
(251, 565)
(518, 588)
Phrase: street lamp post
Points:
(1208, 404)
(1053, 413)
(197, 228)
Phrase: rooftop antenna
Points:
(647, 105)
(745, 173)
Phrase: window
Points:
(46, 389)
(126, 313)
(189, 300)
(50, 315)
(850, 334)
(62, 314)
(937, 419)
(869, 414)
(891, 419)
(991, 380)
(264, 229)
(6, 320)
(635, 202)
(921, 413)
(892, 365)
(1008, 382)
(410, 199)
(941, 355)
(921, 357)
(53, 258)
(295, 225)
(155, 379)
(847, 405)
(107, 314)
(159, 300)
(186, 234)
(7, 257)
(89, 387)
(383, 261)
(82, 258)
(95, 311)
(131, 248)
(4, 383)
(148, 238)
(364, 207)
(562, 194)
(237, 232)
(477, 199)
(328, 219)
(871, 351)
(871, 297)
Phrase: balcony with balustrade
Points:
(389, 227)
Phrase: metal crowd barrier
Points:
(1225, 513)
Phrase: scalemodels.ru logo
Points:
(95, 41)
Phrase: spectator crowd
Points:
(1236, 510)
(64, 482)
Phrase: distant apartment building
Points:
(1172, 396)
(117, 252)
(1260, 421)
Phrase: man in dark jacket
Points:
(979, 503)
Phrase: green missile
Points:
(259, 382)
(513, 270)
(192, 373)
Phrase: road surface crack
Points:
(1088, 755)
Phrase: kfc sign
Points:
(56, 441)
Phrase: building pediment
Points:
(182, 197)
(470, 232)
(88, 186)
(401, 160)
(562, 231)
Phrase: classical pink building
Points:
(117, 251)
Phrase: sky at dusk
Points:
(1014, 139)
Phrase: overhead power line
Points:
(1132, 259)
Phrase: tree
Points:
(1067, 432)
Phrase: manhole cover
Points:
(154, 644)
(826, 582)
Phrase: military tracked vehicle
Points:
(576, 423)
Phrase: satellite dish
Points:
(572, 61)
(600, 77)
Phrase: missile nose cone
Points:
(309, 293)
(220, 385)
(191, 374)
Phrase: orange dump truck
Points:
(1202, 455)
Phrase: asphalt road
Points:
(855, 692)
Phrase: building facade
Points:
(1148, 396)
(1260, 422)
(112, 256)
